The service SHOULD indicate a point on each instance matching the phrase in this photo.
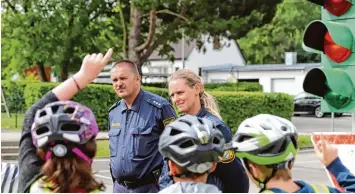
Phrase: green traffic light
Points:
(336, 100)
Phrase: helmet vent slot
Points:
(43, 113)
(174, 132)
(42, 130)
(55, 109)
(69, 110)
(70, 127)
(216, 140)
(186, 144)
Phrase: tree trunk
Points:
(134, 37)
(41, 72)
(64, 71)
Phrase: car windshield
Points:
(304, 95)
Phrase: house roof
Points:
(266, 67)
(177, 53)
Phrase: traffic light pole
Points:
(353, 122)
(332, 122)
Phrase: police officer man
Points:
(135, 125)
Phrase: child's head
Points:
(267, 145)
(64, 133)
(192, 145)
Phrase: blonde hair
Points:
(284, 174)
(191, 79)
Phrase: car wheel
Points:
(318, 113)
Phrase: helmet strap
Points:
(262, 184)
(75, 150)
(48, 155)
(79, 153)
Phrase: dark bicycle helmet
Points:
(64, 125)
(192, 143)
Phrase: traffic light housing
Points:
(334, 38)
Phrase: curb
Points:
(306, 150)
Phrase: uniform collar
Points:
(202, 112)
(136, 103)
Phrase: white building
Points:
(273, 78)
(158, 68)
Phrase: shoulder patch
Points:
(154, 102)
(228, 156)
(114, 105)
(168, 120)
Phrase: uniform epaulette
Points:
(114, 105)
(154, 102)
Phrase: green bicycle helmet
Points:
(265, 140)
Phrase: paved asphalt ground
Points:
(307, 167)
(310, 124)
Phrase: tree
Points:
(59, 33)
(55, 33)
(153, 25)
(268, 44)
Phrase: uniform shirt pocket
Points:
(145, 141)
(113, 135)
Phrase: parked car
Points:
(306, 103)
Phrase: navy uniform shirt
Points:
(134, 135)
(229, 176)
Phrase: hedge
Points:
(240, 86)
(97, 97)
(234, 106)
(14, 95)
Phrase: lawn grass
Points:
(103, 150)
(304, 141)
(10, 123)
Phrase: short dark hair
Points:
(132, 65)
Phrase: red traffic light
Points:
(335, 52)
(337, 7)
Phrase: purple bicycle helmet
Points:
(64, 125)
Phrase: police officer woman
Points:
(187, 93)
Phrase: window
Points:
(199, 71)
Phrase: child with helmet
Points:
(267, 145)
(58, 143)
(192, 146)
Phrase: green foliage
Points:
(91, 96)
(240, 86)
(235, 107)
(14, 95)
(268, 44)
(55, 33)
(195, 19)
(59, 33)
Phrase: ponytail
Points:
(210, 104)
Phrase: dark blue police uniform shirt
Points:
(229, 175)
(134, 135)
